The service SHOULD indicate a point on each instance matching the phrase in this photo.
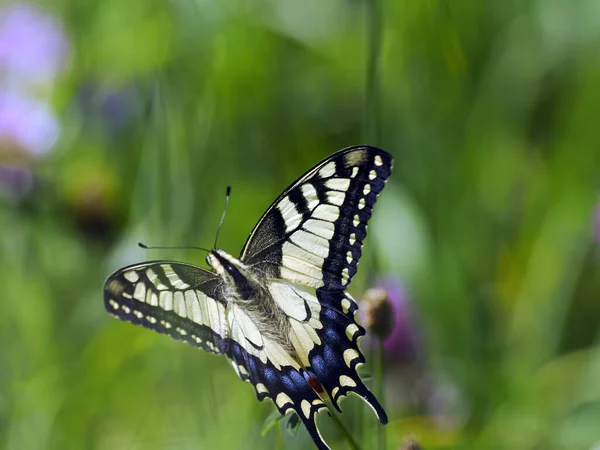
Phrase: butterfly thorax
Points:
(246, 289)
(238, 280)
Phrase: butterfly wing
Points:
(285, 384)
(313, 233)
(180, 300)
(308, 245)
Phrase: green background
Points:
(491, 111)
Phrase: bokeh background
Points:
(124, 121)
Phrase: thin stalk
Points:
(372, 120)
(279, 437)
(347, 436)
(378, 387)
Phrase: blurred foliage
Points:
(489, 109)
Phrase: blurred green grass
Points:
(490, 111)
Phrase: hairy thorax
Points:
(246, 289)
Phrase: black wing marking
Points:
(336, 360)
(324, 334)
(180, 300)
(288, 387)
(313, 233)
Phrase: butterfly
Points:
(280, 312)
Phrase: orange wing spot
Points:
(314, 383)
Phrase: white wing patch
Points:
(245, 332)
(338, 184)
(174, 279)
(290, 214)
(302, 307)
(310, 194)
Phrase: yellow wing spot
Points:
(151, 298)
(345, 275)
(150, 319)
(131, 276)
(356, 220)
(338, 184)
(127, 295)
(346, 381)
(378, 160)
(243, 370)
(361, 203)
(291, 217)
(349, 257)
(336, 197)
(138, 314)
(173, 277)
(334, 391)
(351, 330)
(372, 175)
(151, 276)
(282, 399)
(114, 304)
(354, 172)
(126, 309)
(181, 331)
(305, 405)
(179, 304)
(166, 300)
(354, 158)
(261, 388)
(352, 238)
(327, 170)
(350, 355)
(165, 324)
(310, 195)
(366, 189)
(140, 292)
(346, 305)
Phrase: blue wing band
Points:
(289, 389)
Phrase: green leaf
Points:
(272, 420)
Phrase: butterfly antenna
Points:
(227, 192)
(161, 247)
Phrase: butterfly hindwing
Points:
(176, 299)
(313, 233)
(336, 360)
(324, 334)
(287, 386)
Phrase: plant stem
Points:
(279, 437)
(351, 442)
(371, 130)
(378, 387)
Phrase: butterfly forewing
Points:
(313, 233)
(180, 300)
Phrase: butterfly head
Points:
(234, 273)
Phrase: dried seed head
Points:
(378, 315)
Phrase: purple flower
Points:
(112, 108)
(33, 45)
(26, 124)
(386, 314)
(15, 183)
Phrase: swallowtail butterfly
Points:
(280, 312)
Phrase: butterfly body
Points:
(280, 312)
